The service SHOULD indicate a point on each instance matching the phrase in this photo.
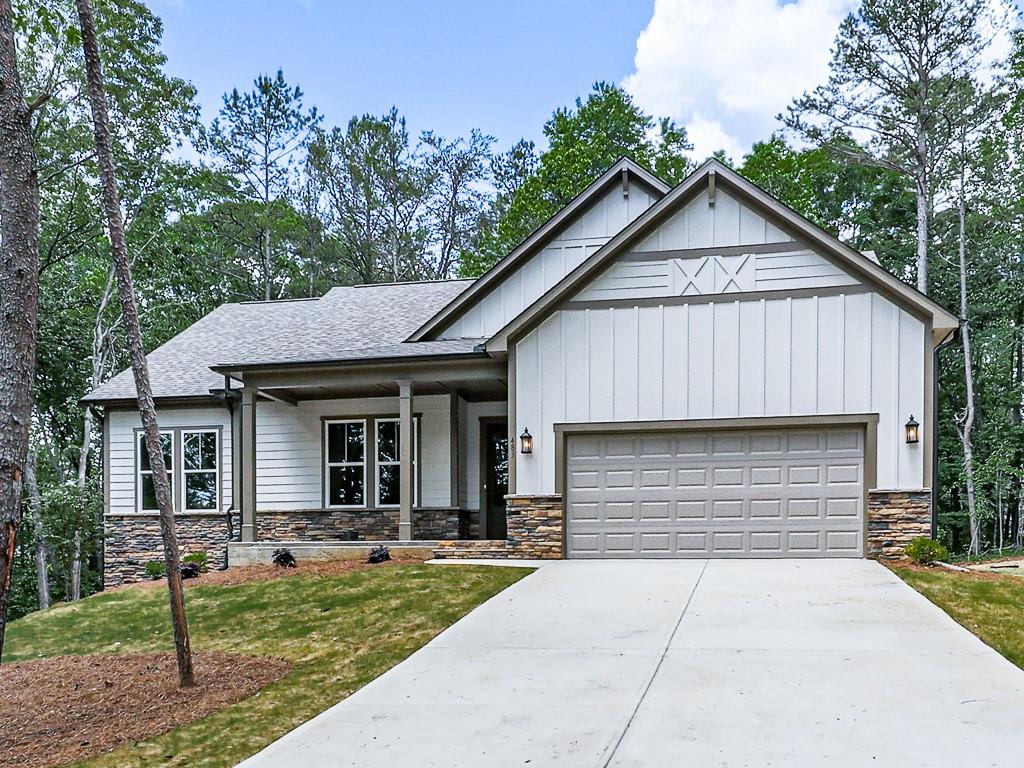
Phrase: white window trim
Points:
(377, 464)
(328, 464)
(140, 435)
(185, 472)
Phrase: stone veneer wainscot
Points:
(895, 518)
(535, 532)
(133, 539)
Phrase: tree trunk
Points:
(968, 419)
(922, 231)
(19, 296)
(76, 567)
(36, 507)
(267, 277)
(126, 292)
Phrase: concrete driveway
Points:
(684, 663)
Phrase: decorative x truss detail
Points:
(712, 274)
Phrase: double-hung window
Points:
(199, 467)
(389, 462)
(345, 450)
(146, 488)
(363, 462)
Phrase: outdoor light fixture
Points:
(913, 430)
(526, 442)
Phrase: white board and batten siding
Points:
(289, 448)
(581, 238)
(120, 436)
(725, 355)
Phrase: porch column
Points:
(248, 464)
(406, 446)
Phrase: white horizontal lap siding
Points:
(121, 426)
(289, 448)
(819, 355)
(579, 240)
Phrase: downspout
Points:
(950, 339)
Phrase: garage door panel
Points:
(778, 493)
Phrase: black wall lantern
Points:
(526, 442)
(913, 430)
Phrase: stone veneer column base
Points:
(895, 518)
(535, 532)
(132, 540)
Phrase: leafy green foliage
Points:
(156, 569)
(198, 559)
(925, 551)
(582, 144)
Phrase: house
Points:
(654, 372)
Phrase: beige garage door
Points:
(786, 493)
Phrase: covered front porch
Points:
(332, 459)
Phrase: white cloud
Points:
(726, 68)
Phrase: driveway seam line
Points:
(657, 668)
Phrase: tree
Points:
(458, 171)
(258, 138)
(895, 66)
(376, 188)
(126, 291)
(19, 258)
(582, 144)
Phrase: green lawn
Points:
(340, 632)
(992, 607)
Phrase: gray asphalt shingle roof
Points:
(350, 323)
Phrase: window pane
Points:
(335, 442)
(201, 490)
(354, 442)
(192, 450)
(166, 441)
(200, 450)
(345, 486)
(149, 490)
(387, 441)
(389, 478)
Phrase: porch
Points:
(331, 460)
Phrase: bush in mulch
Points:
(70, 708)
(283, 558)
(379, 554)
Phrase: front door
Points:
(494, 436)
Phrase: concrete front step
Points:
(261, 552)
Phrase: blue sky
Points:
(722, 68)
(448, 66)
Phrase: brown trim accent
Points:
(366, 362)
(926, 420)
(510, 414)
(482, 367)
(724, 250)
(537, 239)
(105, 447)
(869, 421)
(717, 298)
(454, 450)
(130, 403)
(247, 481)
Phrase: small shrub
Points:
(283, 558)
(189, 571)
(379, 555)
(198, 559)
(924, 551)
(156, 569)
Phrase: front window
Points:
(346, 463)
(146, 486)
(199, 466)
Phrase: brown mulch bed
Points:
(248, 573)
(68, 708)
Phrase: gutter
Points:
(951, 338)
(228, 397)
(354, 362)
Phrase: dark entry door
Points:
(495, 456)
